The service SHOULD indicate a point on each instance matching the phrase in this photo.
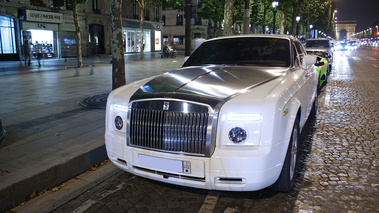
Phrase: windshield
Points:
(317, 43)
(257, 51)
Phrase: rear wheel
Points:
(287, 177)
(318, 86)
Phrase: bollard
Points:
(91, 72)
(76, 72)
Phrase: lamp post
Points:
(297, 25)
(274, 5)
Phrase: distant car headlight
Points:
(237, 135)
(243, 116)
(118, 122)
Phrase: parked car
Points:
(321, 44)
(229, 119)
(322, 67)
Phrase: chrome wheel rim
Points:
(293, 153)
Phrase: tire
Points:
(329, 70)
(287, 177)
(318, 86)
(314, 109)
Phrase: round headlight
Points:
(118, 122)
(237, 135)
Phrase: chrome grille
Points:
(169, 131)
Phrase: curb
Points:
(20, 191)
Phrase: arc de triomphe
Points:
(345, 29)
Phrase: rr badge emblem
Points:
(166, 105)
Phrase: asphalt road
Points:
(338, 173)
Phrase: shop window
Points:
(96, 39)
(132, 38)
(178, 40)
(69, 48)
(7, 36)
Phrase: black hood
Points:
(206, 83)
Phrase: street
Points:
(339, 169)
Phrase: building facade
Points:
(174, 28)
(50, 24)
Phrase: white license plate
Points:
(163, 164)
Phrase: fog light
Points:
(118, 122)
(237, 135)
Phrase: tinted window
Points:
(243, 51)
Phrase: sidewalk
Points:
(49, 137)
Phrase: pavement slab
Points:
(50, 137)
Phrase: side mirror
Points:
(186, 58)
(309, 60)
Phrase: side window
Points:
(300, 48)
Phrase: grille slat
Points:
(169, 131)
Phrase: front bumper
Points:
(229, 168)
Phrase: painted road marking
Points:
(86, 205)
(210, 202)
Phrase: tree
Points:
(118, 61)
(238, 12)
(77, 27)
(142, 4)
(211, 9)
(174, 4)
(228, 17)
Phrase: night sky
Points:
(365, 12)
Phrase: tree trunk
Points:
(228, 17)
(246, 20)
(188, 30)
(214, 29)
(118, 61)
(141, 4)
(281, 22)
(78, 39)
(264, 17)
(294, 14)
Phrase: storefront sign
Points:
(39, 26)
(41, 16)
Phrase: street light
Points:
(274, 5)
(297, 25)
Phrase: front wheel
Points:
(286, 180)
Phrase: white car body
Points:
(271, 105)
